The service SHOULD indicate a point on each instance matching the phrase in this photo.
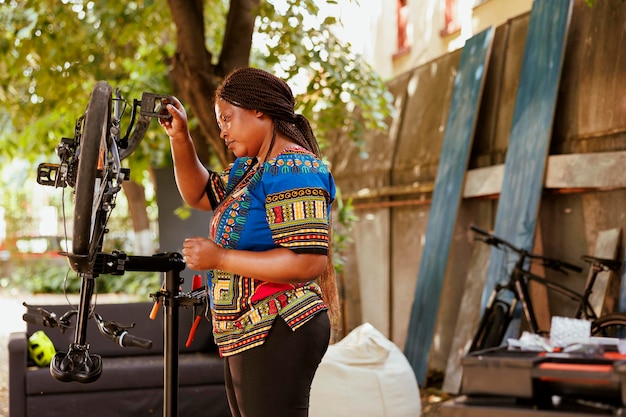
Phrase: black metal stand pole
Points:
(170, 359)
(171, 264)
(86, 292)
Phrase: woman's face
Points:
(244, 131)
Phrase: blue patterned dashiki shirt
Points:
(287, 204)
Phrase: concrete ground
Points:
(11, 310)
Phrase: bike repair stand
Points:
(116, 263)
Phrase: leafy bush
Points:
(55, 277)
(134, 282)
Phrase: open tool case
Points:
(500, 382)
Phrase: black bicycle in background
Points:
(91, 164)
(499, 310)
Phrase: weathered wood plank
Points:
(372, 239)
(538, 292)
(568, 172)
(603, 299)
(454, 157)
(589, 170)
(469, 314)
(531, 131)
(484, 182)
(598, 170)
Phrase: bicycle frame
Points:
(584, 309)
(501, 308)
(499, 311)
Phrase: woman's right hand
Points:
(176, 126)
(191, 175)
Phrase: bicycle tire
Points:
(610, 325)
(492, 329)
(95, 133)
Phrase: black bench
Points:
(131, 383)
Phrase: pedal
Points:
(47, 174)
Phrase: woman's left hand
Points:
(201, 253)
(279, 265)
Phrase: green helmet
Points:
(40, 348)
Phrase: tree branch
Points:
(193, 76)
(238, 34)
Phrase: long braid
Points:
(255, 89)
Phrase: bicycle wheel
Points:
(610, 325)
(89, 185)
(492, 328)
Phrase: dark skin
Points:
(246, 133)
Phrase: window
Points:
(403, 23)
(452, 21)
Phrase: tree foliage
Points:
(55, 51)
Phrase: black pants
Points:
(274, 379)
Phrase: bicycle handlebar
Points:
(120, 335)
(552, 263)
(494, 240)
(128, 340)
(112, 330)
(38, 320)
(42, 317)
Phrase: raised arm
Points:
(191, 176)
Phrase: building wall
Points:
(391, 188)
(373, 29)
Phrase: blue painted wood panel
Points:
(531, 131)
(454, 157)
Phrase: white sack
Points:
(364, 375)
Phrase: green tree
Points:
(54, 52)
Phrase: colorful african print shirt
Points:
(284, 203)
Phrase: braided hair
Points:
(255, 89)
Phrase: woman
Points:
(270, 274)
